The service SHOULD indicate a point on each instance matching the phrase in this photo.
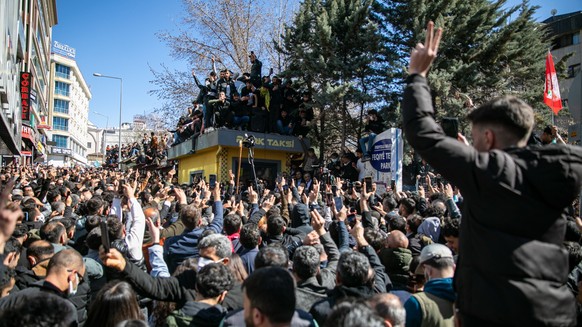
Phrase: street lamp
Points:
(120, 106)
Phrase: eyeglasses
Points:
(79, 276)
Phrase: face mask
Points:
(73, 290)
(426, 275)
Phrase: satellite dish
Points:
(553, 12)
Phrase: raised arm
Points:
(451, 158)
(135, 234)
(162, 289)
(218, 221)
(333, 254)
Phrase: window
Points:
(573, 70)
(61, 123)
(62, 88)
(61, 106)
(60, 140)
(63, 71)
(576, 38)
(89, 145)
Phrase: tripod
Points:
(251, 159)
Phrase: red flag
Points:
(552, 91)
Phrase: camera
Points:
(249, 141)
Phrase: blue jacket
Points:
(185, 246)
(441, 287)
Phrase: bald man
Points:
(397, 258)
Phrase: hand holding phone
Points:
(338, 203)
(352, 219)
(450, 126)
(212, 183)
(368, 181)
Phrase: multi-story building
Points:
(25, 38)
(130, 132)
(566, 31)
(69, 109)
(13, 41)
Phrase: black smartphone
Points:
(334, 190)
(285, 187)
(212, 181)
(450, 126)
(105, 236)
(120, 188)
(351, 219)
(393, 185)
(368, 181)
(338, 203)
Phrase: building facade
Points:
(68, 109)
(13, 42)
(130, 132)
(25, 38)
(566, 31)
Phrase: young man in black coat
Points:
(512, 268)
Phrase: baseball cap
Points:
(432, 251)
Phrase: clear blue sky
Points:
(117, 37)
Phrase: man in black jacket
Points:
(359, 275)
(213, 282)
(65, 274)
(374, 126)
(313, 281)
(511, 268)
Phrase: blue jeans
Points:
(239, 121)
(284, 130)
(370, 139)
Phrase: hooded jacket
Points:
(181, 247)
(511, 269)
(431, 227)
(397, 262)
(197, 314)
(301, 218)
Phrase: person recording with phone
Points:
(512, 268)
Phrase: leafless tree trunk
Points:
(227, 30)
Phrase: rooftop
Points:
(231, 138)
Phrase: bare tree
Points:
(227, 30)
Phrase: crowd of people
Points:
(292, 251)
(489, 243)
(251, 102)
(150, 150)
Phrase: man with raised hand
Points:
(511, 269)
